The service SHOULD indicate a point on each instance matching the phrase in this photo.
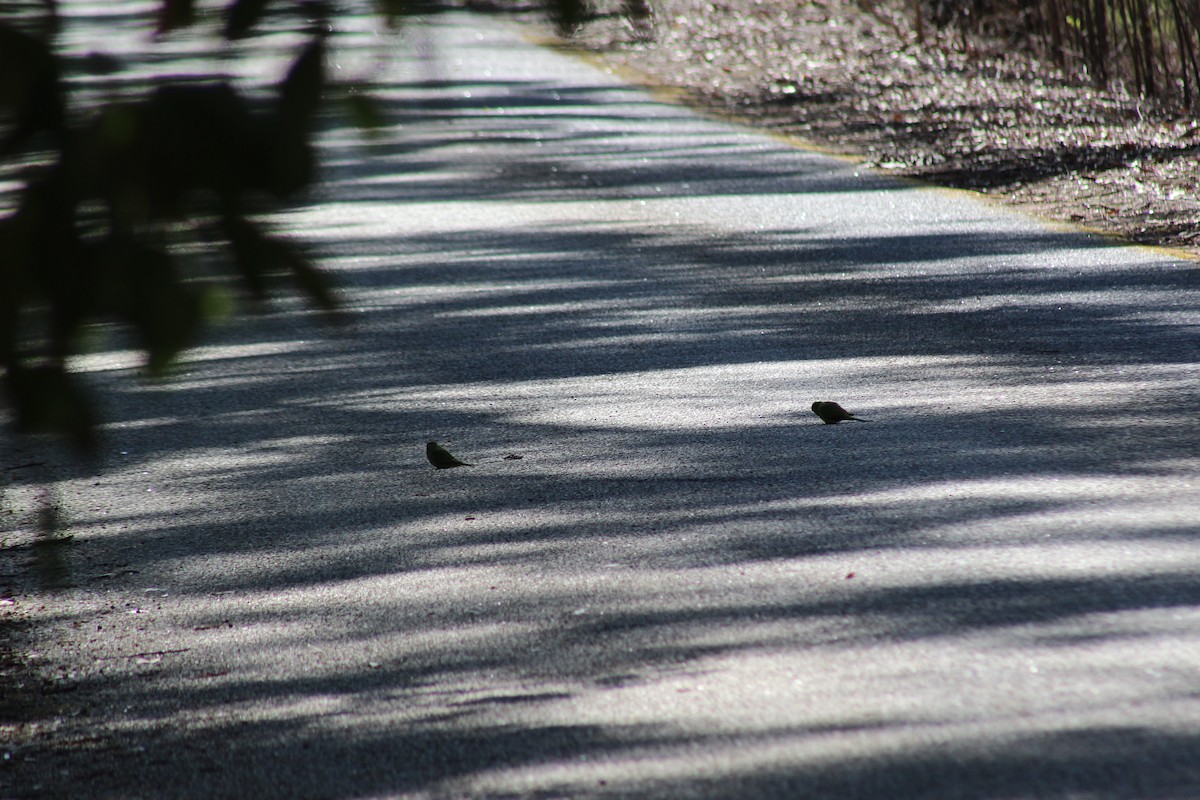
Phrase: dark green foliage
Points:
(31, 98)
(259, 256)
(144, 288)
(48, 400)
(288, 145)
(106, 204)
(120, 203)
(241, 16)
(362, 109)
(173, 14)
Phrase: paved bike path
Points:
(663, 577)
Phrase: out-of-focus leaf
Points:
(31, 95)
(300, 91)
(216, 303)
(259, 256)
(251, 254)
(58, 264)
(98, 63)
(173, 14)
(198, 137)
(291, 163)
(241, 16)
(48, 400)
(15, 261)
(146, 289)
(314, 283)
(149, 159)
(289, 151)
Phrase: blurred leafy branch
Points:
(141, 209)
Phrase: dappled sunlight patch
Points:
(108, 361)
(111, 360)
(841, 747)
(220, 465)
(550, 309)
(1167, 628)
(466, 608)
(490, 298)
(1184, 467)
(1116, 298)
(1052, 487)
(1161, 517)
(756, 693)
(804, 708)
(701, 396)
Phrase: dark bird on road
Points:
(831, 413)
(440, 457)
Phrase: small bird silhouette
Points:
(440, 457)
(831, 413)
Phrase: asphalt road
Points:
(686, 586)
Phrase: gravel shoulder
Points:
(972, 115)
